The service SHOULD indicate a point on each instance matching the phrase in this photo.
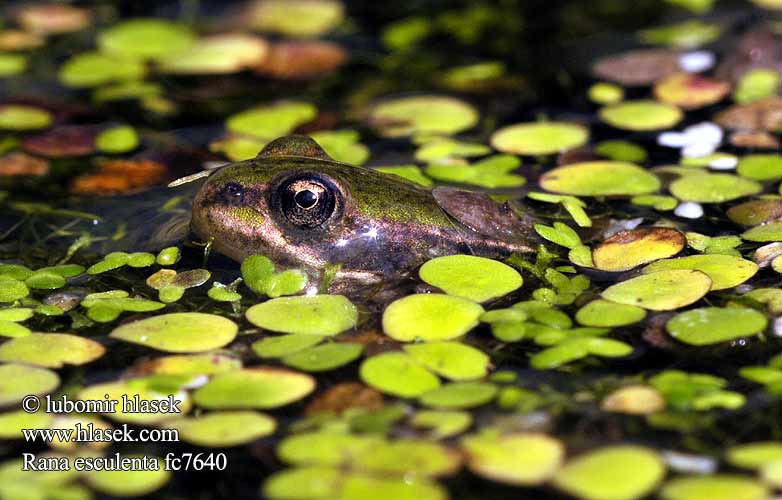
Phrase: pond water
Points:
(534, 250)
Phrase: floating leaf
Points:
(428, 114)
(661, 290)
(129, 483)
(622, 472)
(712, 325)
(254, 388)
(712, 188)
(539, 138)
(641, 115)
(628, 249)
(470, 277)
(398, 374)
(430, 317)
(19, 117)
(517, 459)
(601, 178)
(18, 381)
(146, 38)
(725, 271)
(451, 360)
(713, 487)
(457, 395)
(603, 313)
(315, 315)
(179, 332)
(223, 429)
(51, 350)
(324, 357)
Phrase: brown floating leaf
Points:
(759, 140)
(345, 396)
(755, 212)
(62, 142)
(12, 40)
(120, 176)
(53, 18)
(628, 249)
(21, 164)
(762, 115)
(690, 91)
(637, 67)
(302, 59)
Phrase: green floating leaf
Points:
(685, 35)
(12, 64)
(622, 472)
(223, 429)
(410, 172)
(470, 277)
(600, 178)
(430, 317)
(312, 315)
(754, 455)
(324, 357)
(443, 423)
(763, 233)
(725, 271)
(12, 290)
(539, 138)
(259, 274)
(13, 330)
(18, 381)
(342, 145)
(451, 360)
(284, 345)
(179, 332)
(254, 388)
(92, 69)
(661, 290)
(427, 114)
(117, 140)
(155, 387)
(577, 348)
(19, 117)
(714, 487)
(129, 483)
(297, 18)
(397, 374)
(603, 313)
(491, 173)
(712, 188)
(459, 395)
(145, 38)
(712, 325)
(618, 150)
(517, 459)
(271, 121)
(51, 350)
(641, 115)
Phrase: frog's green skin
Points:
(381, 227)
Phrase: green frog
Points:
(299, 207)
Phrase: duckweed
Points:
(179, 332)
(317, 315)
(711, 325)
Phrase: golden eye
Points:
(307, 200)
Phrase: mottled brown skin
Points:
(302, 209)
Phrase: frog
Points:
(299, 207)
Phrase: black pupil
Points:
(305, 198)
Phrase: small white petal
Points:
(699, 149)
(724, 163)
(689, 210)
(695, 62)
(704, 132)
(672, 139)
(689, 463)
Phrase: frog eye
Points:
(307, 201)
(233, 193)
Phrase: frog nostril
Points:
(233, 192)
(306, 199)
